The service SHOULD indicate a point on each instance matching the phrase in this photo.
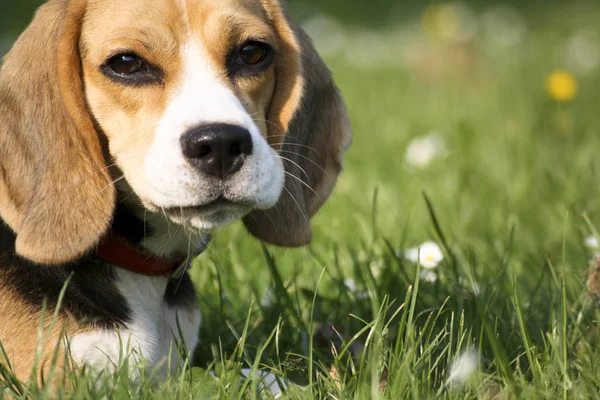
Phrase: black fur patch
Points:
(181, 292)
(130, 226)
(91, 295)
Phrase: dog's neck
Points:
(134, 244)
(117, 250)
(154, 231)
(157, 235)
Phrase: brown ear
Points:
(308, 108)
(55, 190)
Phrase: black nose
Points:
(217, 150)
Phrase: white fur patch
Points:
(172, 182)
(152, 334)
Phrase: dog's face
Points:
(210, 110)
(182, 90)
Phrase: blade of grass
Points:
(498, 349)
(282, 291)
(311, 330)
(529, 348)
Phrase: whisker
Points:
(271, 218)
(128, 196)
(107, 167)
(268, 122)
(112, 183)
(170, 236)
(166, 242)
(301, 181)
(297, 204)
(187, 260)
(294, 163)
(145, 221)
(307, 159)
(164, 212)
(301, 145)
(287, 136)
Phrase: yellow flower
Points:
(454, 21)
(440, 21)
(561, 86)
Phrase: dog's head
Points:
(209, 111)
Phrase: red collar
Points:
(116, 250)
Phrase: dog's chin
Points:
(209, 219)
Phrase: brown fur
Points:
(289, 77)
(59, 198)
(21, 336)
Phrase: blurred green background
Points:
(375, 12)
(15, 15)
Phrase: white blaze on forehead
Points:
(200, 96)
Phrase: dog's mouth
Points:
(220, 206)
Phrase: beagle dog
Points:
(128, 132)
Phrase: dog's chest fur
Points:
(159, 329)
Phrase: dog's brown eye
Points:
(250, 59)
(125, 64)
(128, 68)
(253, 53)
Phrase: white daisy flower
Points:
(268, 298)
(429, 276)
(592, 242)
(423, 150)
(350, 284)
(464, 367)
(428, 254)
(582, 51)
(376, 268)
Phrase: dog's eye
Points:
(126, 64)
(253, 52)
(128, 68)
(250, 59)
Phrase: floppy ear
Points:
(55, 190)
(308, 109)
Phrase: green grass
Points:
(507, 202)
